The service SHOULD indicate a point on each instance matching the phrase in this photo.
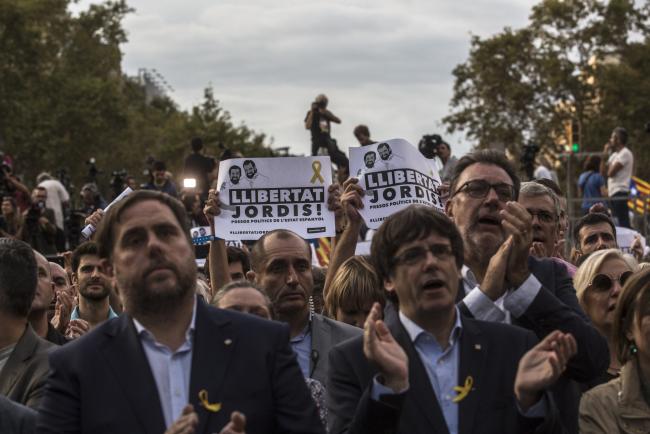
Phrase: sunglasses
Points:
(604, 283)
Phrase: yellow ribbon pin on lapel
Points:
(203, 397)
(463, 390)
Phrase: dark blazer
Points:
(556, 308)
(102, 382)
(23, 377)
(325, 334)
(489, 352)
(16, 418)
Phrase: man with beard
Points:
(536, 294)
(428, 368)
(594, 231)
(281, 264)
(171, 362)
(94, 288)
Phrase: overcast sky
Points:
(385, 63)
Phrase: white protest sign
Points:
(625, 238)
(259, 195)
(394, 175)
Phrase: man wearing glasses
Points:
(544, 207)
(503, 283)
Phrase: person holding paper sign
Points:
(536, 294)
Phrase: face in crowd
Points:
(481, 192)
(285, 273)
(247, 300)
(152, 258)
(599, 236)
(92, 282)
(599, 282)
(545, 219)
(45, 288)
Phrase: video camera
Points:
(429, 144)
(35, 211)
(528, 153)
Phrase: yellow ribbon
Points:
(464, 390)
(203, 397)
(317, 176)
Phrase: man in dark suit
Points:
(23, 355)
(281, 264)
(536, 294)
(170, 362)
(16, 418)
(428, 368)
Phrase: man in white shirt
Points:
(618, 165)
(57, 196)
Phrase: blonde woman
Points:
(354, 289)
(623, 404)
(598, 283)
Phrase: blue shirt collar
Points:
(143, 332)
(415, 331)
(75, 313)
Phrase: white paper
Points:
(394, 175)
(259, 195)
(625, 238)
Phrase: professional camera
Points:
(429, 144)
(118, 179)
(35, 211)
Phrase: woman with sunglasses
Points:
(598, 283)
(623, 404)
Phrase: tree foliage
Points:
(577, 60)
(64, 97)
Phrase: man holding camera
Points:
(39, 230)
(318, 121)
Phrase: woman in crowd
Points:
(623, 404)
(11, 220)
(354, 289)
(598, 284)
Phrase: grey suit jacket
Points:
(16, 418)
(325, 334)
(23, 377)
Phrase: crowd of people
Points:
(477, 319)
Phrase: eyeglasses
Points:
(417, 254)
(604, 283)
(542, 216)
(479, 188)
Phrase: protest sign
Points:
(625, 238)
(201, 235)
(259, 195)
(394, 175)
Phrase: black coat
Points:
(489, 352)
(102, 383)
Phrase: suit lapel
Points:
(14, 367)
(214, 343)
(321, 341)
(125, 355)
(421, 392)
(473, 353)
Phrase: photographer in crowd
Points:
(39, 230)
(318, 121)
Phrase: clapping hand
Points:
(186, 423)
(542, 365)
(384, 352)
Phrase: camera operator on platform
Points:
(318, 121)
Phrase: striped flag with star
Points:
(641, 190)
